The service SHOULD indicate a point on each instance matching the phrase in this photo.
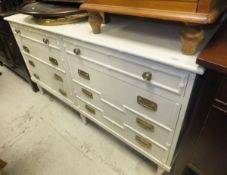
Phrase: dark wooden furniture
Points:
(187, 11)
(203, 150)
(10, 55)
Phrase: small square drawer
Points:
(49, 55)
(54, 79)
(37, 36)
(141, 72)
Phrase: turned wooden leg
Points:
(160, 171)
(190, 39)
(95, 21)
(84, 119)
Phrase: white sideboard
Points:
(132, 80)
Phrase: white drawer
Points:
(36, 36)
(146, 126)
(54, 79)
(145, 146)
(145, 74)
(97, 115)
(49, 55)
(125, 96)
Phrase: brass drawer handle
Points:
(46, 41)
(26, 49)
(147, 76)
(77, 51)
(62, 92)
(58, 77)
(17, 31)
(90, 109)
(144, 124)
(84, 74)
(143, 142)
(53, 61)
(31, 63)
(87, 93)
(147, 103)
(36, 76)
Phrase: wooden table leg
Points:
(191, 37)
(95, 20)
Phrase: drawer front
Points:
(151, 76)
(124, 96)
(153, 130)
(171, 5)
(54, 79)
(99, 117)
(146, 146)
(36, 36)
(49, 55)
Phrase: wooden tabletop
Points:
(214, 55)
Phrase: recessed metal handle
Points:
(62, 92)
(90, 109)
(144, 124)
(31, 63)
(53, 61)
(58, 77)
(87, 93)
(83, 74)
(17, 31)
(77, 51)
(46, 41)
(26, 49)
(147, 103)
(36, 76)
(143, 142)
(147, 76)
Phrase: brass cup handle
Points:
(147, 103)
(147, 76)
(77, 51)
(87, 93)
(53, 61)
(90, 109)
(17, 31)
(62, 92)
(58, 77)
(83, 74)
(26, 49)
(36, 76)
(46, 41)
(145, 125)
(143, 142)
(31, 63)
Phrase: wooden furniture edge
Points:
(197, 18)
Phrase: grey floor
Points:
(39, 135)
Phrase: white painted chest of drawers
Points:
(132, 80)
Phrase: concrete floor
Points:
(39, 135)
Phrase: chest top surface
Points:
(143, 38)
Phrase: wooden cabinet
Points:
(203, 150)
(187, 11)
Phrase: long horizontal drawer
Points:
(145, 74)
(54, 79)
(49, 55)
(124, 96)
(139, 142)
(36, 36)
